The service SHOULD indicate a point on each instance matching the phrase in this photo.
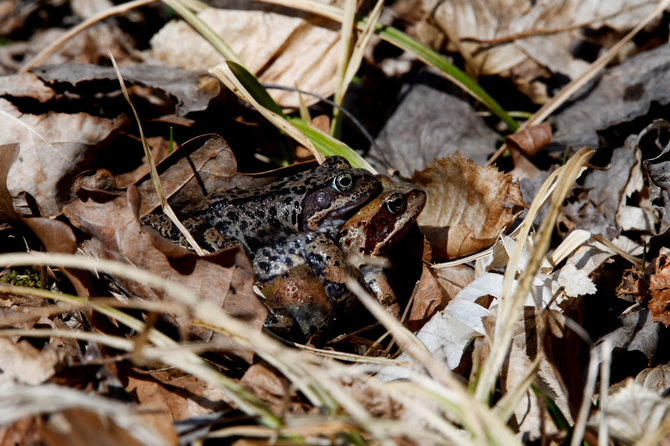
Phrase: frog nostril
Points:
(343, 182)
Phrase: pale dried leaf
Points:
(279, 48)
(532, 52)
(22, 363)
(634, 410)
(53, 146)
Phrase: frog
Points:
(316, 200)
(305, 307)
(377, 226)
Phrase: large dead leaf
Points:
(187, 89)
(531, 332)
(467, 207)
(634, 411)
(53, 146)
(478, 31)
(430, 122)
(170, 396)
(623, 93)
(280, 47)
(200, 166)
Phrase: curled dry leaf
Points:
(531, 140)
(659, 287)
(468, 206)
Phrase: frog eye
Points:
(343, 182)
(396, 203)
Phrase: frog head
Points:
(339, 192)
(385, 219)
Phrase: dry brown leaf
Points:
(189, 174)
(8, 153)
(428, 296)
(468, 206)
(531, 139)
(52, 147)
(224, 278)
(272, 388)
(659, 287)
(25, 86)
(280, 47)
(166, 396)
(79, 427)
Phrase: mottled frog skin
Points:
(300, 304)
(307, 299)
(317, 200)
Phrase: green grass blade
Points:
(254, 87)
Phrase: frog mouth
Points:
(337, 217)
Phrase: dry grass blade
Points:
(606, 356)
(57, 44)
(504, 408)
(21, 401)
(152, 166)
(362, 42)
(585, 408)
(477, 418)
(577, 83)
(513, 298)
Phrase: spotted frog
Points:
(317, 200)
(308, 299)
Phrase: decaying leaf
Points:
(635, 411)
(623, 93)
(200, 166)
(166, 396)
(53, 146)
(513, 37)
(279, 47)
(468, 206)
(659, 287)
(180, 88)
(431, 122)
(22, 363)
(535, 329)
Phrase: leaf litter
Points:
(65, 118)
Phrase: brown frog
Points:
(375, 227)
(298, 294)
